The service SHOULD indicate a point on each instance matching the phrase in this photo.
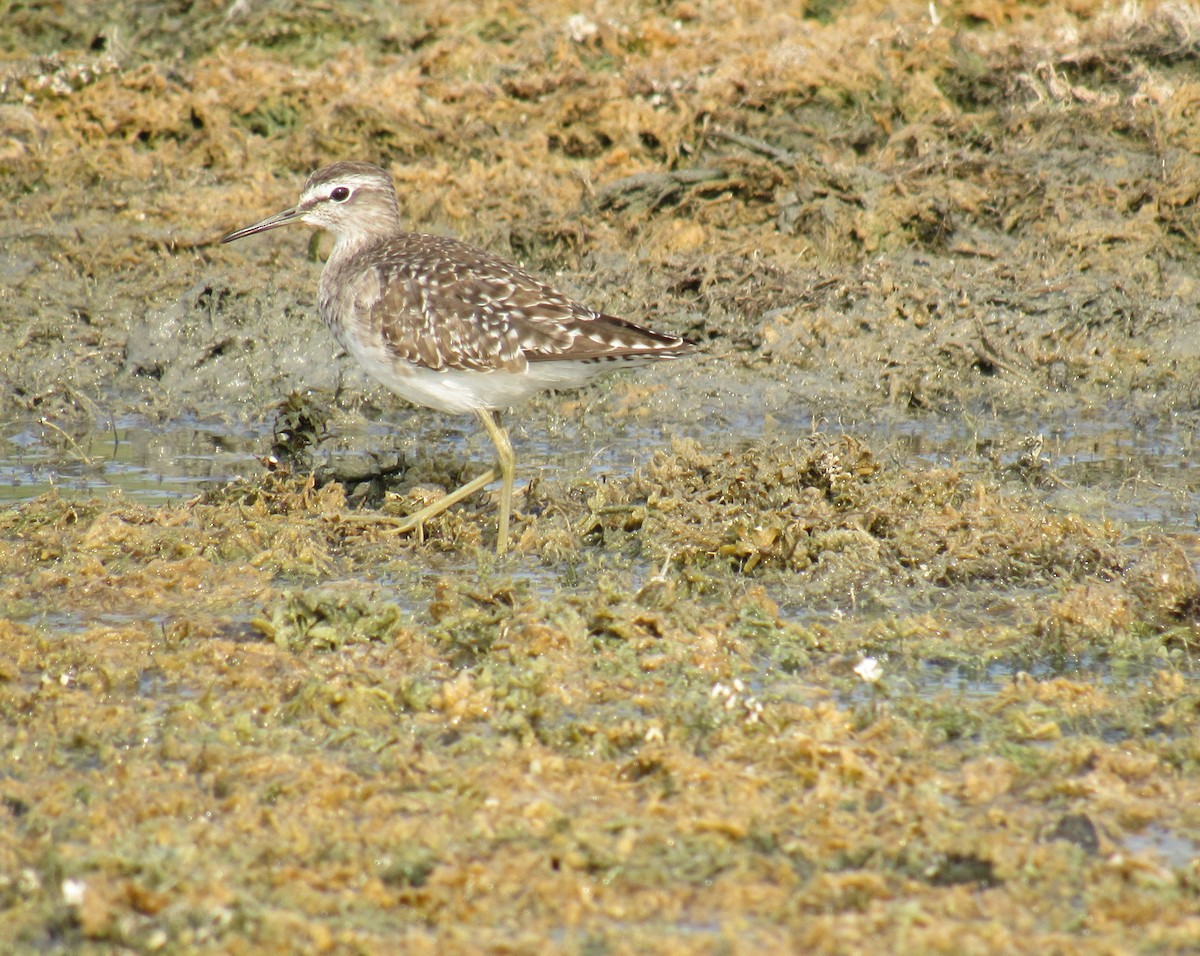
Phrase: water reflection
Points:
(1101, 464)
(150, 463)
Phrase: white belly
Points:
(458, 390)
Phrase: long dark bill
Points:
(271, 222)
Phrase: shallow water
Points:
(1099, 462)
(152, 464)
(1099, 465)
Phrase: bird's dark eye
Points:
(340, 194)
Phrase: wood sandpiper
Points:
(450, 326)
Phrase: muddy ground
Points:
(765, 673)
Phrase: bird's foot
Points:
(389, 524)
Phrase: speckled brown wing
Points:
(446, 305)
(428, 313)
(594, 336)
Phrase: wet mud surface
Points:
(872, 628)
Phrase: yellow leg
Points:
(416, 520)
(507, 463)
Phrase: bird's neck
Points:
(348, 245)
(373, 227)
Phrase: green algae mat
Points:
(871, 629)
